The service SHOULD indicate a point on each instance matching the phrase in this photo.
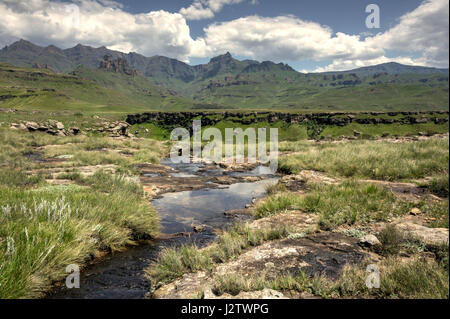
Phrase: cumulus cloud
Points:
(206, 9)
(423, 30)
(98, 23)
(285, 38)
(422, 33)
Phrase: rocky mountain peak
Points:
(118, 65)
(224, 58)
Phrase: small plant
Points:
(391, 240)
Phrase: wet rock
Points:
(237, 212)
(369, 241)
(318, 254)
(199, 228)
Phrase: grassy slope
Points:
(288, 90)
(23, 88)
(284, 90)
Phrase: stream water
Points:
(121, 275)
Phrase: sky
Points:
(309, 35)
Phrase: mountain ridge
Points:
(227, 83)
(29, 53)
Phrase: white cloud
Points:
(45, 22)
(285, 38)
(205, 9)
(197, 11)
(422, 33)
(424, 30)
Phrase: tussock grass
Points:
(43, 230)
(412, 280)
(440, 185)
(174, 262)
(370, 159)
(347, 203)
(439, 211)
(393, 241)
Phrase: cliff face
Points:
(184, 119)
(118, 66)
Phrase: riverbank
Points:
(67, 200)
(341, 207)
(74, 198)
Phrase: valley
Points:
(374, 193)
(85, 179)
(161, 83)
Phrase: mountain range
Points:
(225, 82)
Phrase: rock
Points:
(59, 126)
(430, 236)
(32, 126)
(322, 253)
(369, 241)
(415, 211)
(356, 133)
(199, 228)
(67, 156)
(237, 212)
(118, 66)
(19, 126)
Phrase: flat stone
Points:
(369, 241)
(430, 236)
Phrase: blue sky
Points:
(342, 15)
(310, 35)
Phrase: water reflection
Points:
(180, 211)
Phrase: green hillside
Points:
(222, 83)
(281, 88)
(84, 90)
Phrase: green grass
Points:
(174, 262)
(418, 279)
(383, 130)
(440, 185)
(45, 229)
(368, 159)
(83, 91)
(347, 203)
